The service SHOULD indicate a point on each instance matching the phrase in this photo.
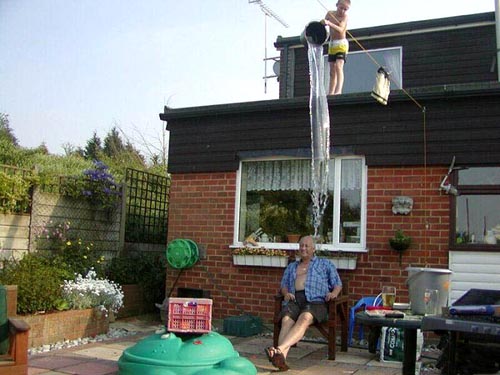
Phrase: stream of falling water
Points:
(320, 134)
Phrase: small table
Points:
(408, 324)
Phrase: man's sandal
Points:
(270, 351)
(278, 360)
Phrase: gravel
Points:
(113, 333)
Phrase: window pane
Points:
(278, 213)
(475, 215)
(360, 71)
(479, 176)
(350, 201)
(275, 196)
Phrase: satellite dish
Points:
(276, 68)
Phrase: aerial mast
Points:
(267, 13)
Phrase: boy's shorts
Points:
(293, 309)
(338, 49)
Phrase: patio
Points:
(308, 358)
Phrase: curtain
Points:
(296, 175)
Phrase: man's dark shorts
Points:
(293, 309)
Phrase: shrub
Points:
(145, 269)
(91, 291)
(96, 185)
(38, 283)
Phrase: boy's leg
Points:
(333, 78)
(339, 74)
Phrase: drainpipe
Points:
(497, 27)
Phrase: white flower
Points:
(90, 291)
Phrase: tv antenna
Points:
(268, 13)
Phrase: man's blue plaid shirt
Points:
(322, 277)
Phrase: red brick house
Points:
(239, 167)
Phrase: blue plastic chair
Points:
(361, 304)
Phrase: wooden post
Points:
(123, 218)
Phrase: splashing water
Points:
(320, 134)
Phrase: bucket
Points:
(182, 253)
(315, 33)
(420, 279)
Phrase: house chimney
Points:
(497, 27)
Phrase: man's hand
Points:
(289, 297)
(331, 296)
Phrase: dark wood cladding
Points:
(450, 69)
(444, 57)
(465, 127)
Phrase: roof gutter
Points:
(438, 92)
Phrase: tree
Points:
(70, 149)
(93, 148)
(5, 131)
(113, 144)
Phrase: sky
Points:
(69, 68)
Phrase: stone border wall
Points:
(64, 325)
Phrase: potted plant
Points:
(400, 242)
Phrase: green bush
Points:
(38, 283)
(145, 269)
(14, 193)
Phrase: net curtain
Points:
(295, 175)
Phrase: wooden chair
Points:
(337, 314)
(13, 341)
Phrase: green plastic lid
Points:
(182, 253)
(210, 354)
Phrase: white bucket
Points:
(420, 279)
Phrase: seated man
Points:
(306, 286)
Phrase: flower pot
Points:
(260, 261)
(344, 263)
(293, 238)
(399, 245)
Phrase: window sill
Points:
(476, 247)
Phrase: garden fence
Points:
(138, 222)
(147, 207)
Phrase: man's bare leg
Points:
(295, 332)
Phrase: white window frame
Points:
(335, 245)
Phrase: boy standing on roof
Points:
(338, 45)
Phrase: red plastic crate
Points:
(189, 315)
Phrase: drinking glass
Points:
(431, 300)
(388, 296)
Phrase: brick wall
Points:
(202, 209)
(133, 301)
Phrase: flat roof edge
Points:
(418, 94)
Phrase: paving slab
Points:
(308, 358)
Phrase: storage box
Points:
(189, 315)
(243, 325)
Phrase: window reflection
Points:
(475, 216)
